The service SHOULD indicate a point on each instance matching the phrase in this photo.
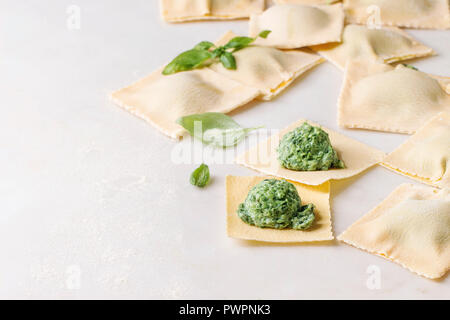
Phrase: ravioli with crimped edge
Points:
(268, 69)
(410, 227)
(188, 10)
(296, 26)
(387, 44)
(426, 155)
(420, 14)
(377, 96)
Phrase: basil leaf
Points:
(264, 34)
(228, 60)
(225, 138)
(410, 67)
(238, 43)
(209, 120)
(216, 129)
(187, 60)
(200, 176)
(218, 52)
(204, 45)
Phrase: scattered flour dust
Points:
(107, 252)
(108, 243)
(109, 188)
(112, 237)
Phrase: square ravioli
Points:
(356, 156)
(305, 1)
(420, 14)
(188, 10)
(410, 227)
(161, 100)
(388, 44)
(426, 155)
(295, 25)
(237, 189)
(380, 97)
(268, 69)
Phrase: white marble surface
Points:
(92, 206)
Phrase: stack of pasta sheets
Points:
(364, 39)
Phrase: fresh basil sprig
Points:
(206, 53)
(200, 176)
(216, 129)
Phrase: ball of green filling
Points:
(307, 148)
(276, 204)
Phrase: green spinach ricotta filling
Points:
(307, 148)
(276, 204)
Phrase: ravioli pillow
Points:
(410, 227)
(421, 14)
(426, 155)
(388, 44)
(268, 69)
(295, 25)
(380, 97)
(187, 10)
(161, 100)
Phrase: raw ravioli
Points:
(187, 10)
(295, 26)
(426, 155)
(380, 97)
(161, 100)
(410, 227)
(268, 69)
(388, 44)
(426, 14)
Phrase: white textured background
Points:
(86, 187)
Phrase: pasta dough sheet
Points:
(426, 155)
(380, 97)
(388, 44)
(357, 158)
(161, 100)
(410, 227)
(237, 190)
(268, 69)
(189, 10)
(420, 14)
(296, 26)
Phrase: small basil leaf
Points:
(200, 176)
(264, 34)
(204, 45)
(187, 60)
(216, 129)
(228, 60)
(238, 43)
(410, 67)
(218, 52)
